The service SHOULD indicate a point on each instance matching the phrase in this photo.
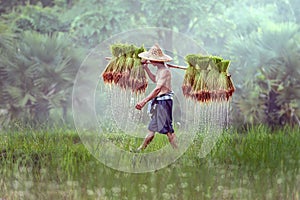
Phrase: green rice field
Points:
(259, 163)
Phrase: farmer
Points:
(160, 99)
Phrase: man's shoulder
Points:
(165, 71)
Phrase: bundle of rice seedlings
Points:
(125, 68)
(191, 59)
(212, 78)
(203, 62)
(200, 90)
(118, 70)
(229, 84)
(107, 74)
(188, 81)
(128, 65)
(190, 75)
(194, 84)
(225, 81)
(222, 81)
(206, 78)
(216, 59)
(137, 79)
(117, 49)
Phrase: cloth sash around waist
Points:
(166, 96)
(162, 97)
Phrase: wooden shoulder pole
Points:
(169, 65)
(176, 66)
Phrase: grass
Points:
(53, 164)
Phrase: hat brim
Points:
(147, 56)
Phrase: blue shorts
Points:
(161, 119)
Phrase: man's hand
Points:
(144, 62)
(150, 74)
(140, 105)
(145, 66)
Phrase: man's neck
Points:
(161, 66)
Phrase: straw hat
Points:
(155, 54)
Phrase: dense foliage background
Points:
(42, 44)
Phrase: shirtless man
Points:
(161, 97)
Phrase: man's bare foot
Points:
(172, 140)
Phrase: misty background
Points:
(44, 42)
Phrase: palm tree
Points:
(6, 49)
(272, 57)
(39, 76)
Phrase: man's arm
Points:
(160, 84)
(153, 94)
(150, 75)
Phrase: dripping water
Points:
(123, 112)
(208, 120)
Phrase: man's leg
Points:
(172, 139)
(147, 140)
